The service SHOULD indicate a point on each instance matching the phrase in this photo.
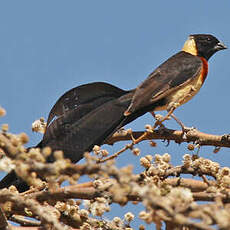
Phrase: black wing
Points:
(178, 70)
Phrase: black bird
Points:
(88, 114)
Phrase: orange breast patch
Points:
(204, 72)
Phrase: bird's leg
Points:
(156, 118)
(153, 114)
(143, 136)
(159, 122)
(184, 128)
(170, 114)
(179, 122)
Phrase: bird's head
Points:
(203, 45)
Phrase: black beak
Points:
(220, 46)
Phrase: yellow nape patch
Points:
(190, 46)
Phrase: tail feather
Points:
(12, 179)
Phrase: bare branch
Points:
(174, 135)
(23, 221)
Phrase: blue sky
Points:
(48, 47)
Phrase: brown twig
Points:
(34, 228)
(68, 192)
(3, 221)
(174, 135)
(23, 221)
(26, 228)
(178, 170)
(83, 169)
(6, 144)
(82, 191)
(193, 185)
(210, 196)
(129, 146)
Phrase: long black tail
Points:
(83, 117)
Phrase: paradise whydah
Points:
(88, 114)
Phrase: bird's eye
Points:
(208, 39)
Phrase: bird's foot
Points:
(186, 130)
(159, 120)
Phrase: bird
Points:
(89, 114)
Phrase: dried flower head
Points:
(166, 158)
(58, 155)
(5, 127)
(136, 151)
(2, 112)
(46, 151)
(117, 221)
(129, 216)
(145, 162)
(104, 153)
(84, 213)
(39, 125)
(191, 147)
(149, 128)
(23, 138)
(187, 160)
(96, 149)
